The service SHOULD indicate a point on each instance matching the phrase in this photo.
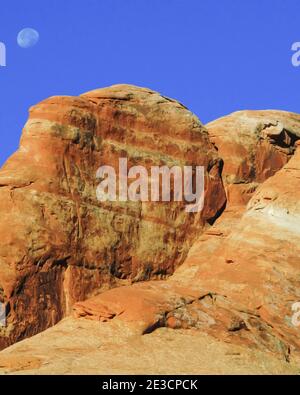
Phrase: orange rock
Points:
(59, 244)
(240, 278)
(235, 280)
(254, 146)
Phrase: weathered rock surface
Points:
(79, 346)
(58, 243)
(254, 146)
(235, 281)
(239, 281)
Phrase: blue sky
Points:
(215, 56)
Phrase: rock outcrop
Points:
(254, 146)
(80, 346)
(58, 243)
(228, 275)
(239, 281)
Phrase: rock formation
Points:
(230, 274)
(59, 244)
(241, 277)
(254, 146)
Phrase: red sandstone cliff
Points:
(58, 243)
(236, 267)
(241, 277)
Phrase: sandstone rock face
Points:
(239, 281)
(80, 346)
(254, 146)
(255, 270)
(236, 268)
(58, 243)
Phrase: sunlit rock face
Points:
(229, 272)
(58, 243)
(240, 280)
(254, 146)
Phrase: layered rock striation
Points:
(59, 244)
(241, 277)
(230, 272)
(254, 146)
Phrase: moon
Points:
(28, 37)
